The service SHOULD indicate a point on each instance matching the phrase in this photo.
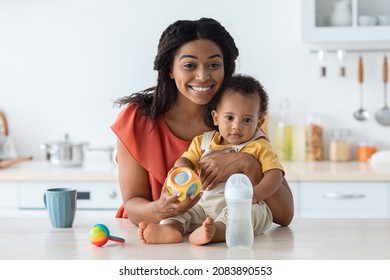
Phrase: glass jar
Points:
(284, 140)
(365, 150)
(314, 138)
(340, 148)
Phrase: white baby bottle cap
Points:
(238, 186)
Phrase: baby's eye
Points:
(229, 118)
(247, 120)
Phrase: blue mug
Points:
(61, 204)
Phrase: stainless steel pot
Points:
(65, 153)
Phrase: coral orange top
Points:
(155, 149)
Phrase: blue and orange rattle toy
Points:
(184, 180)
(99, 235)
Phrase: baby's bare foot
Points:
(203, 234)
(158, 234)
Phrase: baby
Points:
(238, 114)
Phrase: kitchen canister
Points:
(314, 138)
(365, 150)
(284, 140)
(340, 147)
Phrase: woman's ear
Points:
(214, 114)
(171, 75)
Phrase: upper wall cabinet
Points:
(346, 21)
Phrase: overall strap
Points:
(206, 140)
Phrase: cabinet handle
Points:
(344, 196)
(83, 195)
(112, 195)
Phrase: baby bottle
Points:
(239, 229)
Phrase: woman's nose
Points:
(203, 74)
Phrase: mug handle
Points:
(44, 200)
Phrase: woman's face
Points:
(198, 70)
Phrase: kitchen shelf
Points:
(317, 26)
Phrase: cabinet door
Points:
(9, 195)
(344, 199)
(322, 23)
(90, 195)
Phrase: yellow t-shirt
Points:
(260, 148)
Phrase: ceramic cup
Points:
(367, 20)
(384, 19)
(60, 204)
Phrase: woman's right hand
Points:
(169, 206)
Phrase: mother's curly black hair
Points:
(159, 99)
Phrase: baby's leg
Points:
(169, 232)
(209, 231)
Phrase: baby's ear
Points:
(260, 122)
(214, 114)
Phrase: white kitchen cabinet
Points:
(319, 26)
(344, 199)
(9, 195)
(90, 195)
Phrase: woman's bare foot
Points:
(158, 233)
(203, 234)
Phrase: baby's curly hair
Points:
(245, 85)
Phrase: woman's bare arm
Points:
(136, 195)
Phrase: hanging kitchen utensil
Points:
(383, 115)
(341, 59)
(361, 114)
(321, 57)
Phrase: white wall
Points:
(63, 62)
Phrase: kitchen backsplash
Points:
(62, 66)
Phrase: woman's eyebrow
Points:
(195, 57)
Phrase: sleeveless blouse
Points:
(154, 148)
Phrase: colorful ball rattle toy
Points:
(184, 180)
(99, 235)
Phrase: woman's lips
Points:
(200, 89)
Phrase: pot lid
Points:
(65, 141)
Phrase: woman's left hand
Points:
(217, 169)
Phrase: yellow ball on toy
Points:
(184, 180)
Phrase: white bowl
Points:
(367, 20)
(384, 19)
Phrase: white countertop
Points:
(304, 239)
(336, 171)
(106, 171)
(42, 171)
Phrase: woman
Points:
(194, 61)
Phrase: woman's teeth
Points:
(201, 88)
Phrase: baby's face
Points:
(237, 117)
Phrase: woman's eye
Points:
(189, 66)
(214, 65)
